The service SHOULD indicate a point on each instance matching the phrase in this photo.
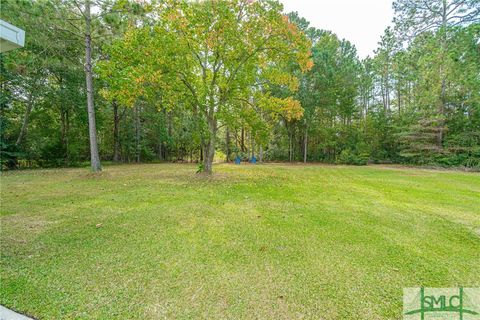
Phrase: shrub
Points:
(352, 158)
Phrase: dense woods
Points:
(212, 80)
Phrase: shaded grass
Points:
(251, 242)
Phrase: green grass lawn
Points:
(251, 242)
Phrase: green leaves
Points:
(212, 56)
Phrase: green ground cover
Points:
(251, 242)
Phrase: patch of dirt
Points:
(18, 228)
(95, 175)
(212, 177)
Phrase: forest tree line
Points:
(213, 80)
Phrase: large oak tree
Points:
(217, 57)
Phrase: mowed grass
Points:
(251, 242)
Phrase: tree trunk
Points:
(242, 141)
(252, 145)
(160, 151)
(441, 111)
(26, 118)
(384, 101)
(260, 154)
(137, 134)
(443, 93)
(116, 133)
(387, 90)
(290, 146)
(169, 119)
(209, 147)
(305, 145)
(94, 157)
(65, 121)
(399, 99)
(227, 143)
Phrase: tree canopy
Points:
(204, 81)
